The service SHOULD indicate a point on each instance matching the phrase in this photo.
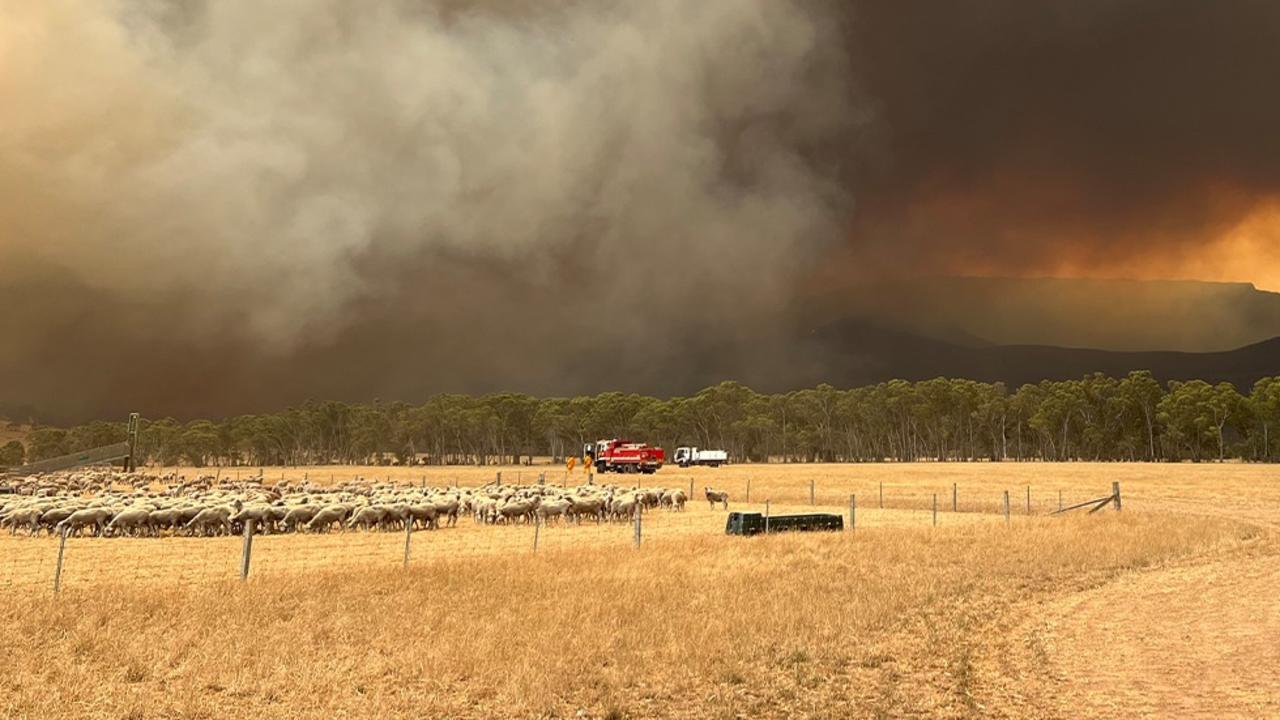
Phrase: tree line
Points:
(1095, 418)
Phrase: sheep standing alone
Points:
(717, 496)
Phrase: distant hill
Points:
(1127, 315)
(1015, 331)
(852, 352)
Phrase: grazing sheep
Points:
(426, 515)
(591, 506)
(95, 518)
(134, 521)
(298, 516)
(553, 509)
(261, 515)
(167, 519)
(116, 504)
(25, 517)
(678, 499)
(513, 510)
(367, 517)
(625, 507)
(448, 507)
(326, 518)
(210, 521)
(50, 518)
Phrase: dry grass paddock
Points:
(974, 618)
(28, 563)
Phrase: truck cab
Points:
(685, 456)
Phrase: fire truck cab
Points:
(623, 456)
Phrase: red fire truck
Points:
(623, 456)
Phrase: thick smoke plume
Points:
(499, 186)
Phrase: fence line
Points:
(79, 562)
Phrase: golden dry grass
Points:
(29, 563)
(897, 619)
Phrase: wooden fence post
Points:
(499, 478)
(955, 497)
(62, 547)
(1006, 506)
(408, 536)
(853, 512)
(537, 529)
(1028, 499)
(637, 514)
(690, 489)
(1115, 494)
(248, 549)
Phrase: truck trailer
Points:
(686, 456)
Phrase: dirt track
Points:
(1199, 641)
(1199, 638)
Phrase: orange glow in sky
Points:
(1248, 252)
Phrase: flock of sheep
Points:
(114, 504)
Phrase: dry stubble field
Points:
(1166, 609)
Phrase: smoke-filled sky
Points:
(214, 207)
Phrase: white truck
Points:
(686, 456)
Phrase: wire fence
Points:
(48, 561)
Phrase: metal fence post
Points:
(955, 497)
(248, 549)
(1006, 506)
(57, 573)
(853, 512)
(1028, 499)
(408, 538)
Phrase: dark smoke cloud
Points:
(1093, 137)
(211, 206)
(216, 207)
